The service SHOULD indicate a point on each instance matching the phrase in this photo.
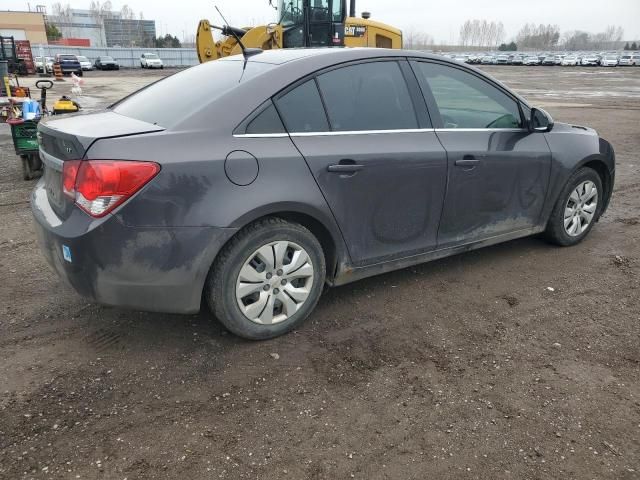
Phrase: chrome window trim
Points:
(260, 135)
(361, 132)
(375, 132)
(481, 130)
(331, 134)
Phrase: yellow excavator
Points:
(302, 23)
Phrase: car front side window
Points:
(465, 101)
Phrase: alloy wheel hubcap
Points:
(580, 208)
(274, 282)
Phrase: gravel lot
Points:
(519, 361)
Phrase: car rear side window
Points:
(465, 100)
(302, 110)
(267, 121)
(367, 96)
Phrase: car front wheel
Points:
(267, 280)
(577, 209)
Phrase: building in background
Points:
(129, 33)
(104, 28)
(23, 26)
(80, 24)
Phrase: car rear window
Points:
(172, 99)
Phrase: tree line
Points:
(484, 34)
(481, 33)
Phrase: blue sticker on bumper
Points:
(66, 253)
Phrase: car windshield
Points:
(106, 59)
(68, 57)
(83, 59)
(151, 56)
(196, 87)
(611, 58)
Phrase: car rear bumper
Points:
(144, 268)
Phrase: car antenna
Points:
(246, 52)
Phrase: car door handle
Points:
(468, 161)
(345, 168)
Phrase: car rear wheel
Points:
(577, 209)
(267, 280)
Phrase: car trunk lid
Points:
(69, 138)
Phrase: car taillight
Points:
(99, 186)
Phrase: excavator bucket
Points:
(264, 37)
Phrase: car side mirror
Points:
(540, 121)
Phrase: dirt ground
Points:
(520, 361)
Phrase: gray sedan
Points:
(277, 174)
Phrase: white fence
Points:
(126, 57)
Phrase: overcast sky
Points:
(441, 19)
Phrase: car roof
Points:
(292, 65)
(327, 55)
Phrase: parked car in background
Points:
(549, 60)
(570, 61)
(557, 60)
(488, 60)
(68, 64)
(636, 59)
(517, 60)
(502, 60)
(150, 60)
(106, 63)
(609, 61)
(346, 155)
(626, 60)
(531, 60)
(85, 63)
(38, 63)
(590, 61)
(473, 59)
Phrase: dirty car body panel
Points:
(384, 199)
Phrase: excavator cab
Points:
(301, 23)
(312, 23)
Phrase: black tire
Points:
(220, 290)
(555, 232)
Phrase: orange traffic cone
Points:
(57, 71)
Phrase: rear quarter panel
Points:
(193, 190)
